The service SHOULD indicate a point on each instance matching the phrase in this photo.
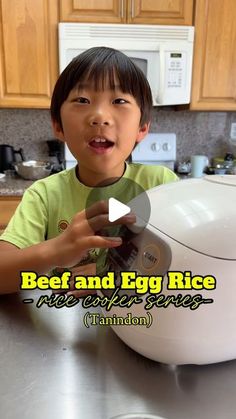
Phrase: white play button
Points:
(116, 209)
(121, 190)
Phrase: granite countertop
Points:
(14, 186)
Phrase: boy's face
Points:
(100, 128)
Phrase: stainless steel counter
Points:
(51, 366)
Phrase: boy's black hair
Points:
(94, 65)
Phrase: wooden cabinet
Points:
(8, 205)
(171, 12)
(29, 44)
(160, 12)
(29, 38)
(214, 67)
(104, 11)
(28, 52)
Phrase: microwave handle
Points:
(160, 94)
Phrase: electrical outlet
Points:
(233, 131)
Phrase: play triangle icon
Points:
(116, 209)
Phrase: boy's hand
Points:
(80, 235)
(84, 270)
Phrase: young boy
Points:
(101, 107)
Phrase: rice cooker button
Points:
(150, 256)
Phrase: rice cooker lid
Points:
(198, 213)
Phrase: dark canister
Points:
(8, 157)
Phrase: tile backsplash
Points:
(197, 132)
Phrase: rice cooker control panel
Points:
(144, 253)
(150, 256)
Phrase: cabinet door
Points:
(214, 67)
(8, 205)
(28, 52)
(171, 12)
(104, 11)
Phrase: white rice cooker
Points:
(191, 230)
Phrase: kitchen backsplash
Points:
(197, 132)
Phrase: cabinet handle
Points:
(122, 8)
(132, 8)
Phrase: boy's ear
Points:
(58, 131)
(143, 131)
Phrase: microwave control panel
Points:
(175, 70)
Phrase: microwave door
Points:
(142, 63)
(149, 63)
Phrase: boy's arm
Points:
(37, 258)
(62, 251)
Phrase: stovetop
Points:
(154, 149)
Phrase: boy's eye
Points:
(120, 100)
(81, 100)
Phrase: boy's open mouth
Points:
(100, 143)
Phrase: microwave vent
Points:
(70, 31)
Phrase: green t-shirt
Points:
(48, 206)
